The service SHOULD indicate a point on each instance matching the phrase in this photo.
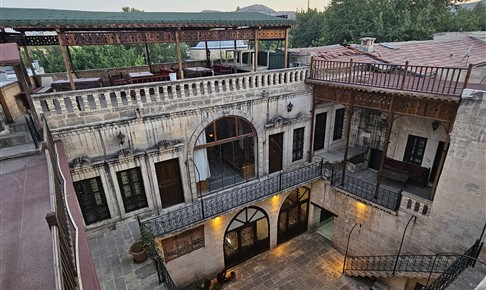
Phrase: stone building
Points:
(220, 169)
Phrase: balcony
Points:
(117, 102)
(231, 199)
(443, 81)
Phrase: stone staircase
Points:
(447, 271)
(469, 278)
(16, 140)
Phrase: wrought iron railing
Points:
(58, 220)
(460, 263)
(449, 265)
(366, 190)
(36, 137)
(404, 263)
(163, 274)
(417, 78)
(229, 199)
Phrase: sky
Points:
(163, 5)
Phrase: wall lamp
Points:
(435, 125)
(289, 107)
(121, 138)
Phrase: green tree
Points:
(49, 57)
(130, 9)
(105, 56)
(308, 29)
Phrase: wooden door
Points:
(169, 182)
(275, 152)
(320, 131)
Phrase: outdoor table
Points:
(198, 71)
(80, 84)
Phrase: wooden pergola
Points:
(78, 28)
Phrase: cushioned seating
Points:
(418, 174)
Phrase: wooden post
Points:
(27, 55)
(22, 79)
(312, 74)
(468, 74)
(178, 48)
(147, 51)
(66, 60)
(286, 49)
(313, 119)
(348, 132)
(208, 53)
(350, 77)
(73, 68)
(390, 120)
(442, 160)
(255, 57)
(404, 75)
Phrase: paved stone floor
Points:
(114, 265)
(305, 262)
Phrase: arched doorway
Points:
(292, 219)
(246, 236)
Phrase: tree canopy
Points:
(346, 21)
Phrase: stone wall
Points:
(206, 262)
(455, 217)
(158, 134)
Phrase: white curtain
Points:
(201, 159)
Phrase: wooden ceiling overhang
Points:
(405, 103)
(80, 38)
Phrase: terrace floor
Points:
(336, 156)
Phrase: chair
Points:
(117, 79)
(221, 69)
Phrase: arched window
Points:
(246, 236)
(224, 154)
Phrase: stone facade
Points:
(162, 122)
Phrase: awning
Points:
(9, 54)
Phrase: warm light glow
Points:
(360, 209)
(217, 221)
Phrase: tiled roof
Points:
(450, 53)
(454, 53)
(51, 18)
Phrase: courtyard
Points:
(305, 262)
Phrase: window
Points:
(92, 200)
(338, 124)
(132, 190)
(183, 244)
(224, 154)
(414, 152)
(298, 144)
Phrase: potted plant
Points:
(138, 252)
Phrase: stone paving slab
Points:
(114, 264)
(305, 262)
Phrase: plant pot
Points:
(138, 253)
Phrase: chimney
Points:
(367, 43)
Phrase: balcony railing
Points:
(154, 97)
(63, 228)
(227, 200)
(252, 191)
(404, 263)
(365, 190)
(416, 78)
